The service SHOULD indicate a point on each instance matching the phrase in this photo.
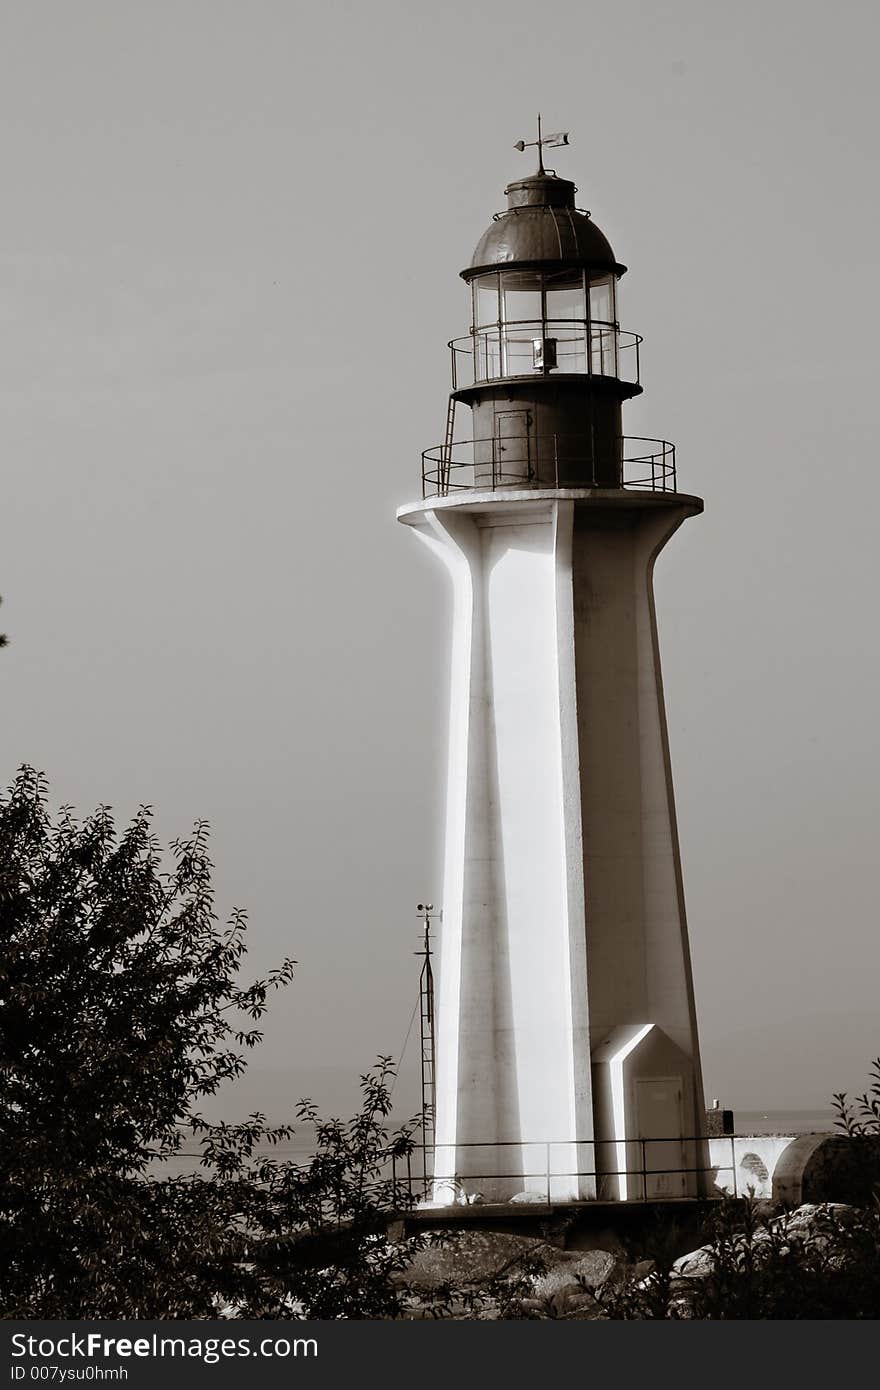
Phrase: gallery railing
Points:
(542, 348)
(545, 461)
(607, 1169)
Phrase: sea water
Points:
(744, 1122)
(785, 1122)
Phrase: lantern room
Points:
(541, 321)
(543, 282)
(545, 366)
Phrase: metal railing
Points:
(642, 1176)
(545, 461)
(544, 347)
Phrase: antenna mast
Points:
(426, 1018)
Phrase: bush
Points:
(821, 1263)
(120, 1009)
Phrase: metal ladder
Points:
(446, 452)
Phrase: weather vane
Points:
(560, 137)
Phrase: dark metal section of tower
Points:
(546, 367)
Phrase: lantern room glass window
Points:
(602, 300)
(528, 322)
(521, 322)
(487, 311)
(603, 327)
(521, 300)
(565, 295)
(565, 319)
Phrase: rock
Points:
(576, 1272)
(595, 1267)
(811, 1214)
(532, 1305)
(810, 1222)
(471, 1256)
(804, 1223)
(559, 1280)
(577, 1301)
(562, 1305)
(584, 1307)
(643, 1270)
(696, 1264)
(587, 1311)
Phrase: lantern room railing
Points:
(544, 348)
(545, 461)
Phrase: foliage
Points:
(250, 1237)
(120, 1004)
(120, 1009)
(508, 1293)
(860, 1119)
(827, 1266)
(317, 1232)
(859, 1122)
(754, 1268)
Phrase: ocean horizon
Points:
(821, 1121)
(745, 1123)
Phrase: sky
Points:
(229, 259)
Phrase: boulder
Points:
(558, 1281)
(583, 1309)
(696, 1264)
(564, 1305)
(804, 1223)
(466, 1257)
(538, 1306)
(595, 1268)
(574, 1272)
(810, 1222)
(810, 1216)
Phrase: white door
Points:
(659, 1111)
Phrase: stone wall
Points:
(745, 1162)
(795, 1168)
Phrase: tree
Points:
(120, 1010)
(320, 1245)
(119, 991)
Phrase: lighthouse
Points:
(567, 1061)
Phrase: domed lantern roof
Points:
(542, 226)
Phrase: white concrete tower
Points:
(567, 1062)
